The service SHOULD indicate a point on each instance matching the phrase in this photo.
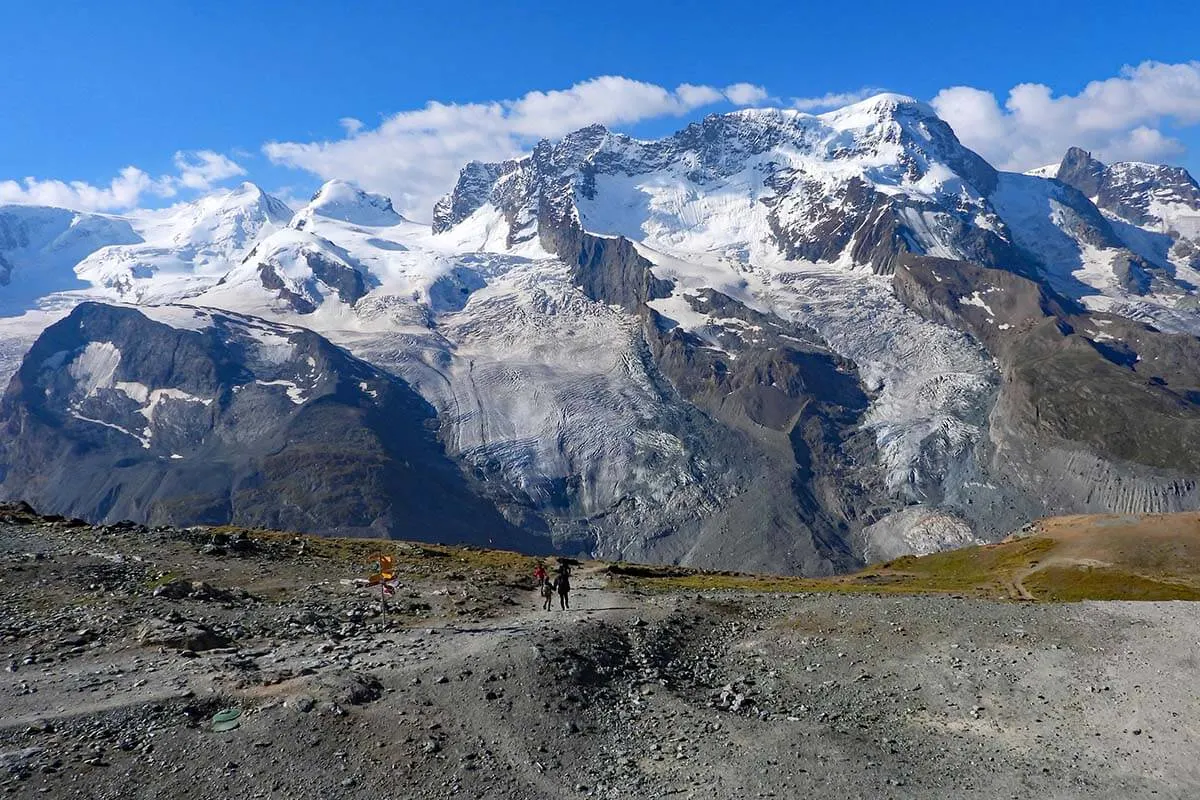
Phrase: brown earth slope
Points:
(1084, 557)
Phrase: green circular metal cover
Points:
(226, 719)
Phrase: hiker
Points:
(547, 589)
(562, 582)
(539, 574)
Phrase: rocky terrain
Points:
(121, 644)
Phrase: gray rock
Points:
(189, 636)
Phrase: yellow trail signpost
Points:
(383, 570)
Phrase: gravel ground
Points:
(113, 668)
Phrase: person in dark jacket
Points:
(562, 582)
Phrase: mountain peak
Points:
(241, 205)
(878, 108)
(237, 214)
(889, 141)
(344, 201)
(247, 189)
(1080, 170)
(888, 100)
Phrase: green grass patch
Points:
(1072, 583)
(985, 571)
(161, 580)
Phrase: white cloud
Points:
(1117, 118)
(414, 156)
(831, 100)
(122, 192)
(198, 170)
(351, 125)
(745, 94)
(695, 96)
(201, 169)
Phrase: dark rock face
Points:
(475, 182)
(1095, 412)
(228, 420)
(609, 270)
(1133, 273)
(797, 410)
(1080, 170)
(272, 281)
(348, 282)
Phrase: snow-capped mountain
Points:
(738, 202)
(342, 201)
(772, 340)
(52, 259)
(855, 185)
(185, 248)
(39, 248)
(300, 267)
(1156, 207)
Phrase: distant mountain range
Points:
(772, 340)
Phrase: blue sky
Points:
(88, 91)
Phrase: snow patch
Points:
(182, 317)
(94, 366)
(976, 299)
(143, 440)
(294, 392)
(150, 399)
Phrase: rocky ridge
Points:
(1153, 198)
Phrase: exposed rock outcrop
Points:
(1095, 412)
(188, 416)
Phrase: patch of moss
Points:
(161, 580)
